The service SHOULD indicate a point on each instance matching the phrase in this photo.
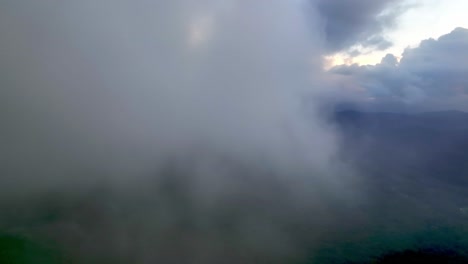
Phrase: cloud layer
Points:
(361, 22)
(189, 113)
(432, 76)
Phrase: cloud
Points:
(362, 23)
(190, 112)
(431, 76)
(187, 73)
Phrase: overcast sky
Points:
(398, 55)
(414, 21)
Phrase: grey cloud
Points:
(374, 43)
(358, 22)
(132, 94)
(378, 42)
(431, 76)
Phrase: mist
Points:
(168, 131)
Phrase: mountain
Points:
(433, 144)
(412, 174)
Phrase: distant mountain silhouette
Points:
(426, 256)
(433, 144)
(414, 176)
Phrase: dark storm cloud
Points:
(431, 76)
(358, 22)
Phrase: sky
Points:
(422, 20)
(401, 55)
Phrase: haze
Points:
(225, 131)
